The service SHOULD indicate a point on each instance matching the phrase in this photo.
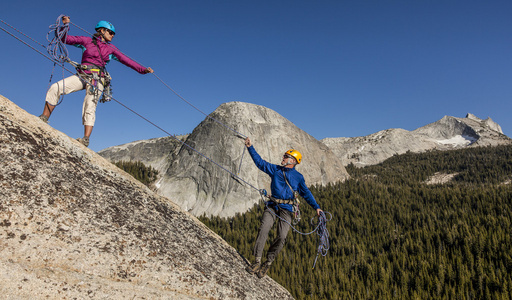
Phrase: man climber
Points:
(286, 181)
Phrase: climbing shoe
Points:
(252, 269)
(84, 141)
(264, 269)
(43, 118)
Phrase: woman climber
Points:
(91, 73)
(286, 181)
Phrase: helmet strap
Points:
(102, 35)
(289, 163)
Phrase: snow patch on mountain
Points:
(458, 141)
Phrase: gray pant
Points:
(267, 221)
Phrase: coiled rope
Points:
(323, 236)
(57, 50)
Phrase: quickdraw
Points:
(107, 89)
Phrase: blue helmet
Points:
(105, 24)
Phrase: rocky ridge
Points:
(201, 187)
(447, 133)
(74, 226)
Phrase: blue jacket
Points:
(278, 187)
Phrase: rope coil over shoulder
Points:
(295, 203)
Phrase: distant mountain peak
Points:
(473, 117)
(489, 123)
(447, 133)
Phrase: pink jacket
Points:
(91, 55)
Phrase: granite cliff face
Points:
(447, 133)
(201, 187)
(158, 153)
(74, 226)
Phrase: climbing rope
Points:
(210, 117)
(24, 42)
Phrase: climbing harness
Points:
(294, 202)
(98, 74)
(57, 53)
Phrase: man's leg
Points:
(267, 220)
(283, 226)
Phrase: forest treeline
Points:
(393, 236)
(141, 172)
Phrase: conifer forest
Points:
(145, 174)
(393, 236)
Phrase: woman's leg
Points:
(65, 86)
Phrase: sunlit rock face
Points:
(74, 226)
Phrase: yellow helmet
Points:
(296, 154)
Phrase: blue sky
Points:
(333, 68)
